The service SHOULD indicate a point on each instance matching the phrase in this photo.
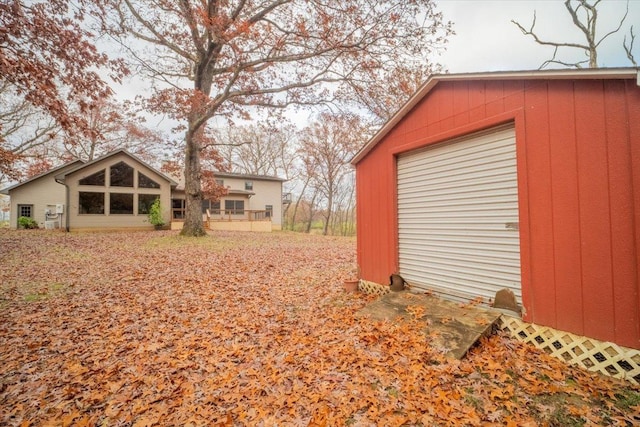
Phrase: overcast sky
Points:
(487, 40)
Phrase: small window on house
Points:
(121, 204)
(121, 175)
(248, 185)
(146, 182)
(214, 207)
(220, 182)
(269, 209)
(145, 201)
(90, 203)
(95, 179)
(177, 208)
(234, 207)
(25, 210)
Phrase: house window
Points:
(95, 179)
(214, 207)
(177, 208)
(220, 182)
(90, 203)
(234, 207)
(145, 201)
(269, 209)
(248, 185)
(121, 175)
(121, 204)
(25, 210)
(146, 182)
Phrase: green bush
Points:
(26, 222)
(155, 214)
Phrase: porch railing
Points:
(239, 215)
(228, 215)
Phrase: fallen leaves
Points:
(247, 329)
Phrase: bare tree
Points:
(214, 58)
(585, 17)
(628, 48)
(329, 143)
(262, 148)
(49, 58)
(23, 128)
(114, 125)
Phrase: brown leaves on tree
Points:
(147, 329)
(46, 53)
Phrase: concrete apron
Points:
(454, 328)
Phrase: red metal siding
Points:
(578, 145)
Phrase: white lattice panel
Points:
(372, 288)
(604, 357)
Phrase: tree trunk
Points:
(311, 212)
(193, 225)
(295, 209)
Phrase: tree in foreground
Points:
(48, 62)
(214, 58)
(585, 17)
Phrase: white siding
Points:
(458, 217)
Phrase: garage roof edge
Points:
(589, 73)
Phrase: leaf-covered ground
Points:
(141, 329)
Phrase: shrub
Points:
(155, 214)
(26, 222)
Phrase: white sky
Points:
(486, 40)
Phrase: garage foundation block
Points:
(455, 328)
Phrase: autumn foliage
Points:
(150, 328)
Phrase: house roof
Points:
(181, 181)
(241, 192)
(566, 74)
(247, 176)
(62, 176)
(50, 171)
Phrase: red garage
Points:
(520, 180)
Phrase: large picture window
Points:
(234, 207)
(90, 203)
(94, 179)
(121, 204)
(121, 175)
(145, 201)
(146, 182)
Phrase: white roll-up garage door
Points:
(458, 217)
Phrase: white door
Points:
(458, 217)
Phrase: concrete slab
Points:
(454, 328)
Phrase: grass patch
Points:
(627, 399)
(45, 292)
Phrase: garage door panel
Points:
(455, 287)
(458, 216)
(495, 268)
(478, 178)
(448, 153)
(475, 168)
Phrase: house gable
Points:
(115, 191)
(34, 196)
